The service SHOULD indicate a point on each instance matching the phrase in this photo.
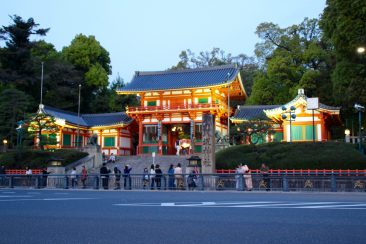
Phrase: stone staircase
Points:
(138, 163)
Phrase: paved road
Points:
(75, 216)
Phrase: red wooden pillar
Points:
(118, 141)
(141, 131)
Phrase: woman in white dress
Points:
(247, 177)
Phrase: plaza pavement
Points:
(89, 216)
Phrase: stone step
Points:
(138, 163)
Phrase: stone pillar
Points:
(208, 146)
(160, 141)
(141, 131)
(192, 136)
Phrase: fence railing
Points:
(325, 182)
(340, 172)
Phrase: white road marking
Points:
(8, 192)
(4, 196)
(67, 199)
(261, 204)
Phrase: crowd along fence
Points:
(277, 180)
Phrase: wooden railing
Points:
(340, 172)
(22, 171)
(173, 107)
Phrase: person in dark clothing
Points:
(117, 174)
(191, 180)
(171, 177)
(2, 175)
(104, 174)
(158, 176)
(45, 174)
(127, 177)
(265, 174)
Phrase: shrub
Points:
(38, 159)
(306, 155)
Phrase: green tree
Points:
(92, 60)
(344, 25)
(16, 67)
(293, 57)
(254, 130)
(216, 57)
(13, 106)
(39, 123)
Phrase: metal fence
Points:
(202, 182)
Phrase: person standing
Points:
(45, 174)
(28, 173)
(117, 175)
(247, 177)
(238, 177)
(2, 175)
(84, 176)
(171, 177)
(104, 174)
(127, 177)
(177, 147)
(265, 174)
(158, 176)
(145, 179)
(178, 173)
(74, 180)
(191, 180)
(152, 176)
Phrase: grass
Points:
(37, 159)
(307, 155)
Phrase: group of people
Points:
(105, 172)
(74, 177)
(243, 170)
(175, 177)
(183, 146)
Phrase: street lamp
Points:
(78, 135)
(292, 116)
(359, 108)
(5, 142)
(361, 49)
(20, 131)
(347, 133)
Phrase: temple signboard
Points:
(208, 143)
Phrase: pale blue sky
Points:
(149, 35)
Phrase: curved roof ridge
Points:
(102, 114)
(177, 71)
(60, 110)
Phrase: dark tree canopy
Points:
(292, 58)
(344, 25)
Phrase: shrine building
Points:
(112, 131)
(172, 104)
(293, 121)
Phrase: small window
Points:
(203, 100)
(109, 141)
(66, 140)
(151, 103)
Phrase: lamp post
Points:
(78, 134)
(228, 107)
(347, 133)
(5, 142)
(42, 84)
(359, 108)
(19, 130)
(292, 117)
